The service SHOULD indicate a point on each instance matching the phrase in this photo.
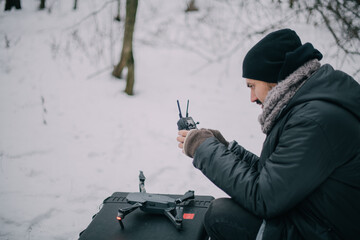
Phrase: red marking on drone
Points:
(188, 215)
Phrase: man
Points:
(306, 182)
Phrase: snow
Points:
(70, 136)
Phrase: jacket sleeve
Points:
(242, 153)
(299, 164)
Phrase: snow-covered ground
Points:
(70, 137)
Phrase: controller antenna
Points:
(180, 115)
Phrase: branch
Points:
(332, 31)
(99, 72)
(90, 15)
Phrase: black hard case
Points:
(140, 225)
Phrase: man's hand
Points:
(181, 138)
(189, 141)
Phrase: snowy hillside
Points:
(70, 137)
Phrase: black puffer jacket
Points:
(306, 183)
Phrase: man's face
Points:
(259, 90)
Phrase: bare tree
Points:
(12, 3)
(118, 18)
(340, 17)
(191, 7)
(42, 4)
(127, 58)
(75, 4)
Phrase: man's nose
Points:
(253, 97)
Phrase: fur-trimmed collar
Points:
(280, 95)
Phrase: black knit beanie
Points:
(276, 56)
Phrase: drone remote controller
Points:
(186, 123)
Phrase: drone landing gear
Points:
(177, 220)
(125, 211)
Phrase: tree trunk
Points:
(42, 4)
(75, 4)
(130, 75)
(118, 18)
(12, 3)
(191, 7)
(126, 58)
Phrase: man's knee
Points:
(218, 209)
(225, 219)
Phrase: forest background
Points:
(69, 134)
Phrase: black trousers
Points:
(226, 220)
